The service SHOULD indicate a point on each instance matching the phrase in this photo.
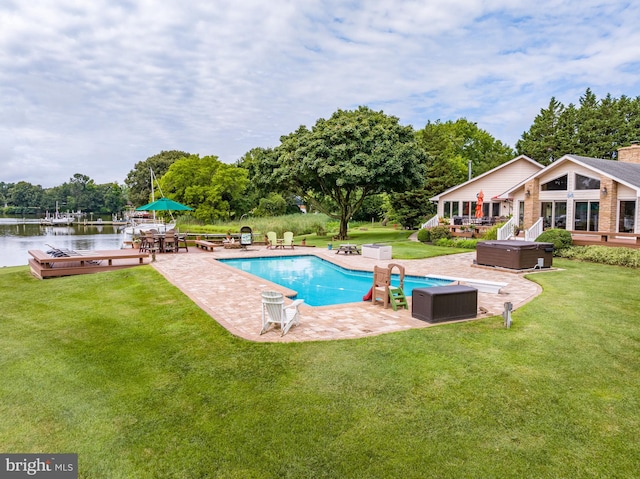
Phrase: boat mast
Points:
(153, 196)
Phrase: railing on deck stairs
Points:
(536, 230)
(506, 231)
(432, 223)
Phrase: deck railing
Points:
(507, 230)
(432, 223)
(536, 230)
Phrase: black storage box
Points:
(514, 254)
(444, 303)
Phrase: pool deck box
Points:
(514, 254)
(376, 251)
(444, 303)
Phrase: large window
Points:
(627, 220)
(554, 214)
(586, 183)
(586, 215)
(450, 209)
(559, 184)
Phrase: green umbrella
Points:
(164, 204)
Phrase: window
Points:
(554, 214)
(559, 184)
(586, 215)
(521, 212)
(586, 183)
(446, 209)
(465, 208)
(495, 209)
(626, 221)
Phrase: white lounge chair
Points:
(275, 312)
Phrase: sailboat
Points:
(141, 224)
(57, 219)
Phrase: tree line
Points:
(355, 165)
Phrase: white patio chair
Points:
(275, 312)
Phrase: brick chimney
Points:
(630, 154)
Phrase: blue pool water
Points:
(320, 282)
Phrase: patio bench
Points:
(208, 245)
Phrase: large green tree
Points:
(139, 179)
(450, 147)
(25, 195)
(206, 184)
(595, 128)
(341, 161)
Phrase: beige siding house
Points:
(576, 193)
(583, 194)
(459, 203)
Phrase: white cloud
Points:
(94, 87)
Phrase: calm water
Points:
(319, 282)
(18, 235)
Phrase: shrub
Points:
(456, 243)
(626, 257)
(424, 235)
(561, 239)
(439, 232)
(492, 233)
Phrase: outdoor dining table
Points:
(348, 249)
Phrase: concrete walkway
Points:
(233, 298)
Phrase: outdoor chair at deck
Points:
(287, 239)
(275, 312)
(170, 243)
(272, 240)
(150, 243)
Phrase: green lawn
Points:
(124, 370)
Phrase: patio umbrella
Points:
(164, 204)
(479, 204)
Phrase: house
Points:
(577, 193)
(459, 203)
(582, 194)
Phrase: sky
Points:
(93, 87)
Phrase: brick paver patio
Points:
(233, 298)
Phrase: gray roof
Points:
(620, 171)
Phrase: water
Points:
(18, 236)
(319, 282)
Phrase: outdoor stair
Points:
(397, 298)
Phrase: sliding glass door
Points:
(586, 215)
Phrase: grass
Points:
(124, 370)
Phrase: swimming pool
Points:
(320, 282)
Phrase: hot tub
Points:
(513, 254)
